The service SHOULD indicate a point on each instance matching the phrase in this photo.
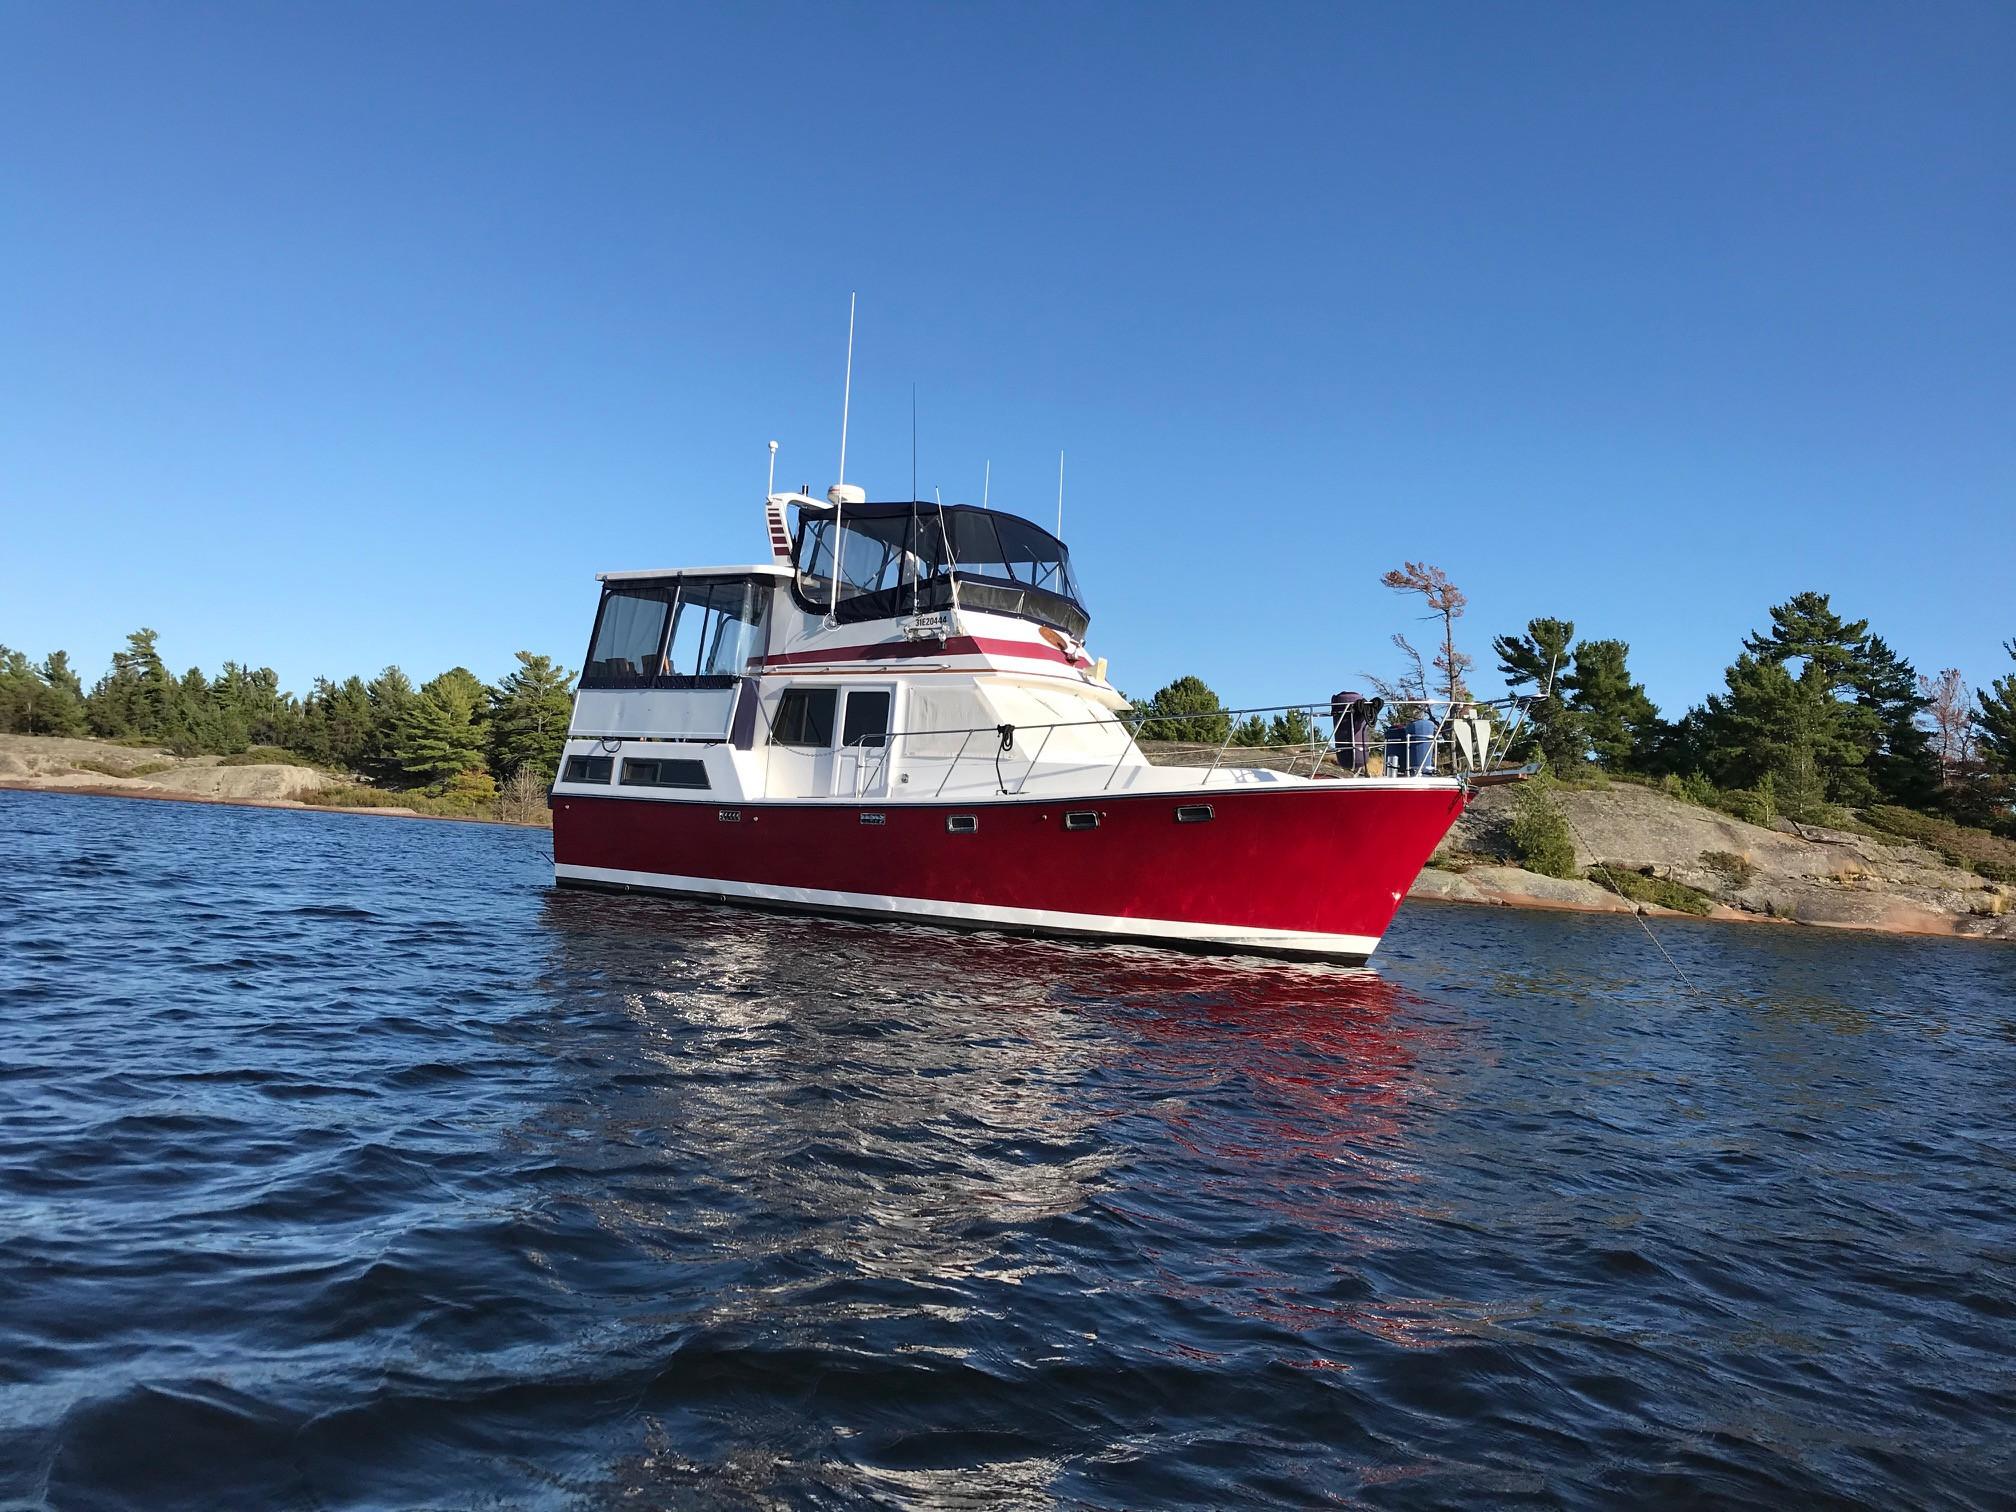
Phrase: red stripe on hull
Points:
(958, 645)
(1327, 859)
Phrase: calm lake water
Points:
(345, 1164)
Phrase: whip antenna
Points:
(986, 482)
(771, 487)
(1060, 495)
(847, 390)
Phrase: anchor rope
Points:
(1637, 908)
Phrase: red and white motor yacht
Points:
(922, 735)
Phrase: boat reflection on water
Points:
(853, 1188)
(912, 1092)
(873, 1156)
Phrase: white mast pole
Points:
(771, 487)
(986, 482)
(1060, 495)
(846, 398)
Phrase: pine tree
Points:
(1619, 722)
(529, 713)
(439, 734)
(1186, 710)
(336, 722)
(1806, 629)
(391, 697)
(21, 693)
(1837, 730)
(1539, 660)
(1771, 725)
(1902, 764)
(137, 695)
(250, 706)
(191, 725)
(436, 739)
(1250, 731)
(1997, 721)
(61, 711)
(1291, 727)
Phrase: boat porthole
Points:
(962, 824)
(1081, 819)
(1194, 813)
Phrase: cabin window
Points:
(628, 633)
(805, 717)
(590, 768)
(718, 630)
(867, 718)
(665, 773)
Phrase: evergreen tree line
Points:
(452, 731)
(1815, 713)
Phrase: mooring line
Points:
(1637, 908)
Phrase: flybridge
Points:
(913, 557)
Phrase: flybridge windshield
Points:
(898, 559)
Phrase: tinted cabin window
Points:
(665, 773)
(805, 717)
(589, 768)
(627, 637)
(867, 718)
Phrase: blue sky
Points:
(332, 336)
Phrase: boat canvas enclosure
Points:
(902, 558)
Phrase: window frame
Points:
(807, 692)
(672, 592)
(878, 740)
(569, 774)
(663, 593)
(657, 779)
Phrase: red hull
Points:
(1314, 870)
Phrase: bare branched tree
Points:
(523, 798)
(1952, 714)
(1445, 601)
(1406, 695)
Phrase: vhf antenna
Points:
(771, 487)
(1060, 495)
(847, 392)
(986, 481)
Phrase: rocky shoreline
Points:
(98, 768)
(1804, 874)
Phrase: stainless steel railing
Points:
(1439, 739)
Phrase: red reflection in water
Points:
(1294, 1093)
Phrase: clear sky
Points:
(339, 335)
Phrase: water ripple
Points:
(345, 1164)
